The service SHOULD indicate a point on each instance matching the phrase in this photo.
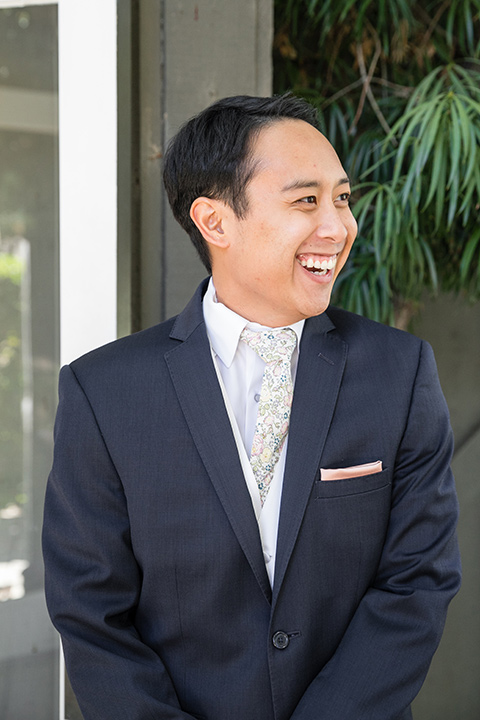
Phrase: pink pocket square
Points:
(350, 472)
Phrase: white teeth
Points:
(323, 265)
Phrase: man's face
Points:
(284, 255)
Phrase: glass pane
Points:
(28, 351)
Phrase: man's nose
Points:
(330, 225)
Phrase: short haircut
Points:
(210, 156)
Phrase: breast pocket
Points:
(325, 489)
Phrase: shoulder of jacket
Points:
(350, 326)
(129, 350)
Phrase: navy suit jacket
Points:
(154, 569)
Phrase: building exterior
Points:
(90, 93)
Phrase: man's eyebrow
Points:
(301, 183)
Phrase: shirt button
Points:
(256, 397)
(280, 640)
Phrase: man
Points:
(198, 566)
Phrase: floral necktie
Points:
(275, 347)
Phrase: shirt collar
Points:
(224, 326)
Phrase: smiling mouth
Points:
(318, 264)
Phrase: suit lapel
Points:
(194, 378)
(319, 374)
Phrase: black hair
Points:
(210, 155)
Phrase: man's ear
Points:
(208, 215)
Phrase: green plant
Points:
(11, 383)
(397, 85)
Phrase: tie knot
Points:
(273, 346)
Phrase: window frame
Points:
(88, 164)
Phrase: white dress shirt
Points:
(240, 373)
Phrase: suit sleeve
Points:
(385, 653)
(92, 578)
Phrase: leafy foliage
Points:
(397, 85)
(11, 390)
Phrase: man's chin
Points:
(319, 306)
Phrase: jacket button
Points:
(280, 640)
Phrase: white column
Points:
(88, 174)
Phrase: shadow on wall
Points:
(452, 688)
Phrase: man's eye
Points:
(344, 197)
(310, 200)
